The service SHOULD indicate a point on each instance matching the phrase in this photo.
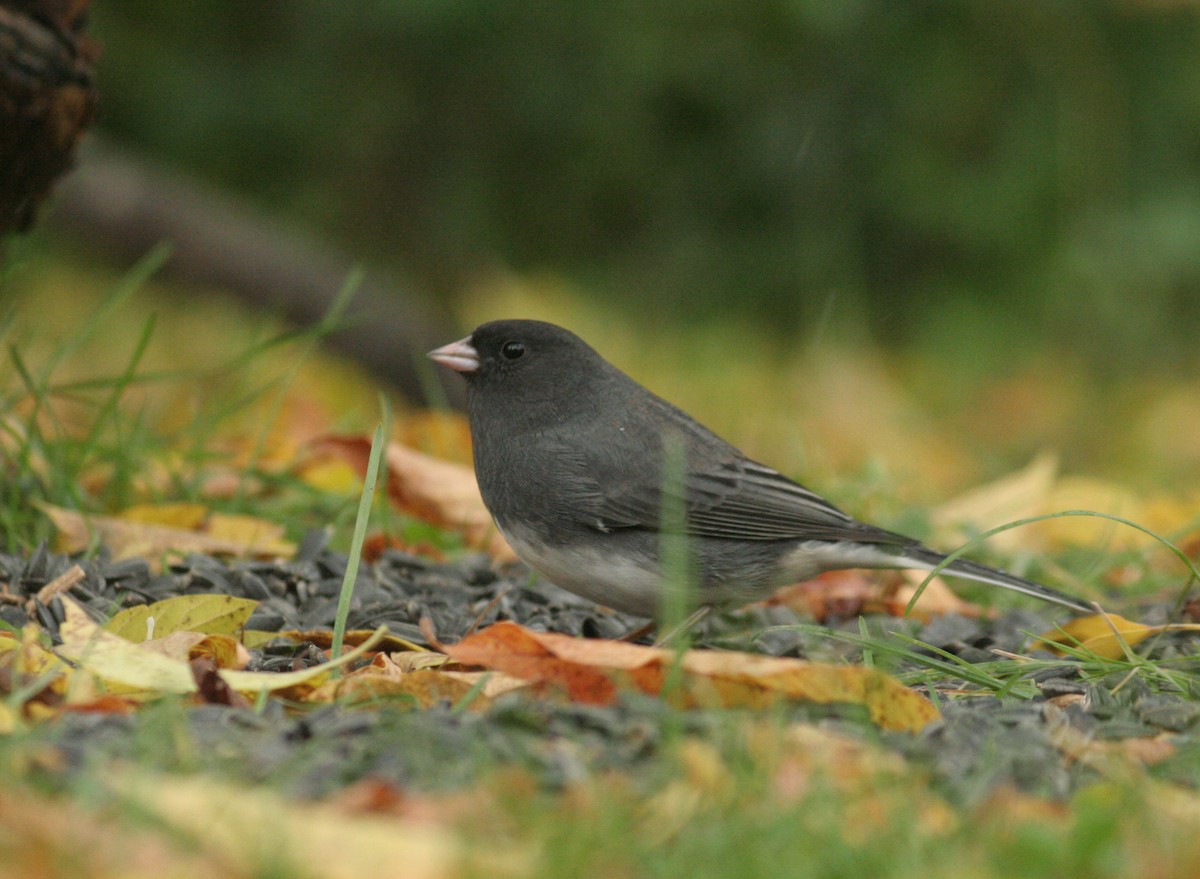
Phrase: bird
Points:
(588, 475)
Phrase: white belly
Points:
(597, 574)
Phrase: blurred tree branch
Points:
(126, 205)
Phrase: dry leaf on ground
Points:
(49, 836)
(849, 593)
(418, 677)
(116, 660)
(250, 830)
(1037, 489)
(209, 614)
(217, 534)
(440, 492)
(1016, 495)
(1104, 634)
(590, 669)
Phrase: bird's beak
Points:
(460, 356)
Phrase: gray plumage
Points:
(569, 455)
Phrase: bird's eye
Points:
(512, 350)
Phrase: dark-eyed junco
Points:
(569, 454)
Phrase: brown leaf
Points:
(834, 594)
(224, 651)
(589, 670)
(850, 593)
(440, 492)
(416, 676)
(938, 599)
(211, 688)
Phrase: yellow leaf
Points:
(425, 688)
(181, 515)
(116, 660)
(1013, 496)
(227, 824)
(256, 638)
(22, 661)
(1088, 493)
(332, 476)
(129, 539)
(1103, 634)
(210, 614)
(254, 682)
(266, 537)
(415, 676)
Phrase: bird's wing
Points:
(725, 494)
(737, 498)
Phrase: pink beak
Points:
(460, 356)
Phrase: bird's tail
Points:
(928, 559)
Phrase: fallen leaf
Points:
(1103, 634)
(323, 638)
(128, 538)
(223, 650)
(23, 661)
(208, 614)
(188, 516)
(831, 595)
(116, 660)
(1038, 489)
(849, 593)
(938, 599)
(440, 492)
(49, 835)
(416, 677)
(1089, 493)
(1014, 496)
(211, 688)
(589, 669)
(252, 830)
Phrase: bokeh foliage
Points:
(1031, 165)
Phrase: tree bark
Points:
(47, 101)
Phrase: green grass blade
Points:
(378, 444)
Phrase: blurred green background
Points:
(995, 205)
(916, 166)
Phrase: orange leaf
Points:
(589, 669)
(225, 651)
(850, 593)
